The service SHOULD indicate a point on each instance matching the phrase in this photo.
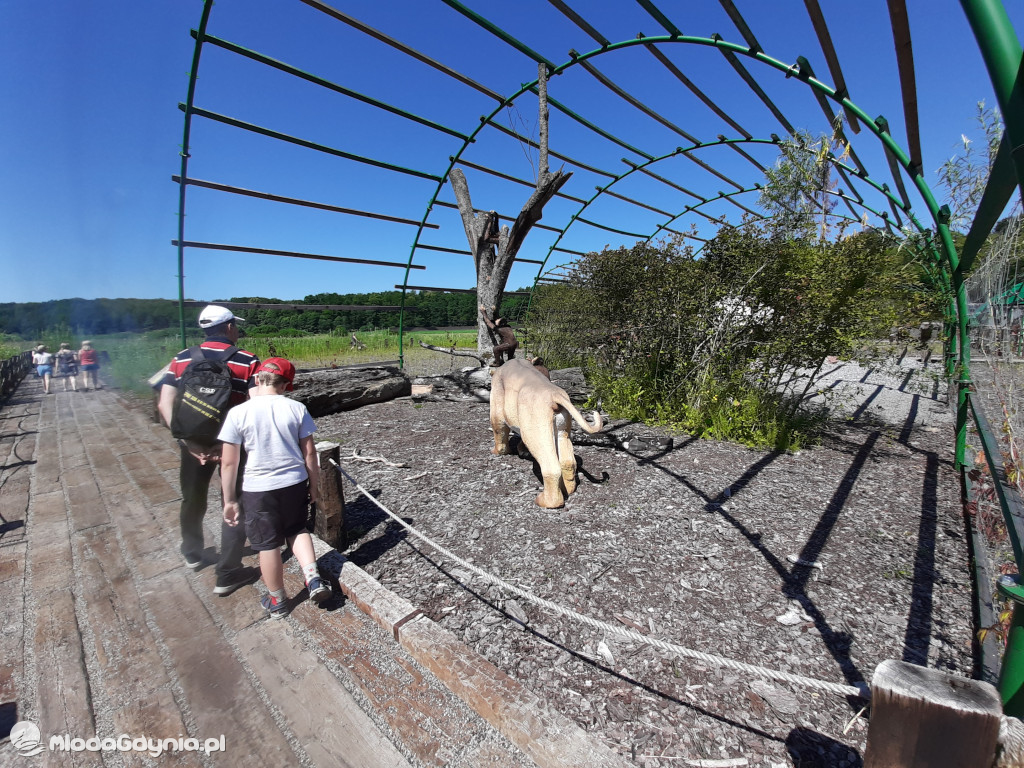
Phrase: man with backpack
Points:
(200, 386)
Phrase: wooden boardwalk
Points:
(106, 632)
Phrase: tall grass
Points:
(326, 350)
(134, 358)
(9, 346)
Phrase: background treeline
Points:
(95, 317)
(88, 317)
(425, 309)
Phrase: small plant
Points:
(897, 574)
(1001, 628)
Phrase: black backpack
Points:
(203, 398)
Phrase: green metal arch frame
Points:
(1002, 54)
(724, 195)
(787, 70)
(944, 250)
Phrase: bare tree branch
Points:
(453, 352)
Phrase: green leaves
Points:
(706, 344)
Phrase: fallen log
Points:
(331, 391)
(475, 384)
(472, 384)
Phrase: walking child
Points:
(280, 478)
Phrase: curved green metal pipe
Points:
(193, 75)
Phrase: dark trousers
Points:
(195, 486)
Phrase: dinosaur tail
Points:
(565, 402)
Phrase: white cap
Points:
(215, 315)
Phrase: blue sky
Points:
(92, 131)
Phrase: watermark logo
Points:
(25, 739)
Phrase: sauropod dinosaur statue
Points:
(522, 397)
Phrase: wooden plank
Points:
(50, 559)
(86, 507)
(158, 717)
(151, 536)
(46, 471)
(72, 450)
(49, 507)
(549, 738)
(151, 483)
(12, 620)
(130, 667)
(236, 611)
(49, 544)
(427, 718)
(105, 468)
(219, 694)
(14, 502)
(335, 732)
(63, 683)
(924, 718)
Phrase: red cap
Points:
(281, 367)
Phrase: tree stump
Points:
(923, 718)
(330, 509)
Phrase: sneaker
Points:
(277, 610)
(232, 580)
(319, 590)
(193, 562)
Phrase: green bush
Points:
(726, 345)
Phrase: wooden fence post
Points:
(923, 718)
(330, 509)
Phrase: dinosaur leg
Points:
(551, 497)
(547, 457)
(566, 456)
(498, 425)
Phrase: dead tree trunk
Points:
(494, 250)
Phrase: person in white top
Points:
(43, 361)
(279, 481)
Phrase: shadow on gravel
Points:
(795, 579)
(361, 516)
(810, 749)
(580, 468)
(919, 623)
(8, 718)
(430, 609)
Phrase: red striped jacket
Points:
(242, 364)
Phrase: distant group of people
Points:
(228, 410)
(66, 364)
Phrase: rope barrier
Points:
(857, 689)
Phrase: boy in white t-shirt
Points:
(280, 479)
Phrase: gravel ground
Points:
(821, 563)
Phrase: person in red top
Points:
(89, 362)
(198, 462)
